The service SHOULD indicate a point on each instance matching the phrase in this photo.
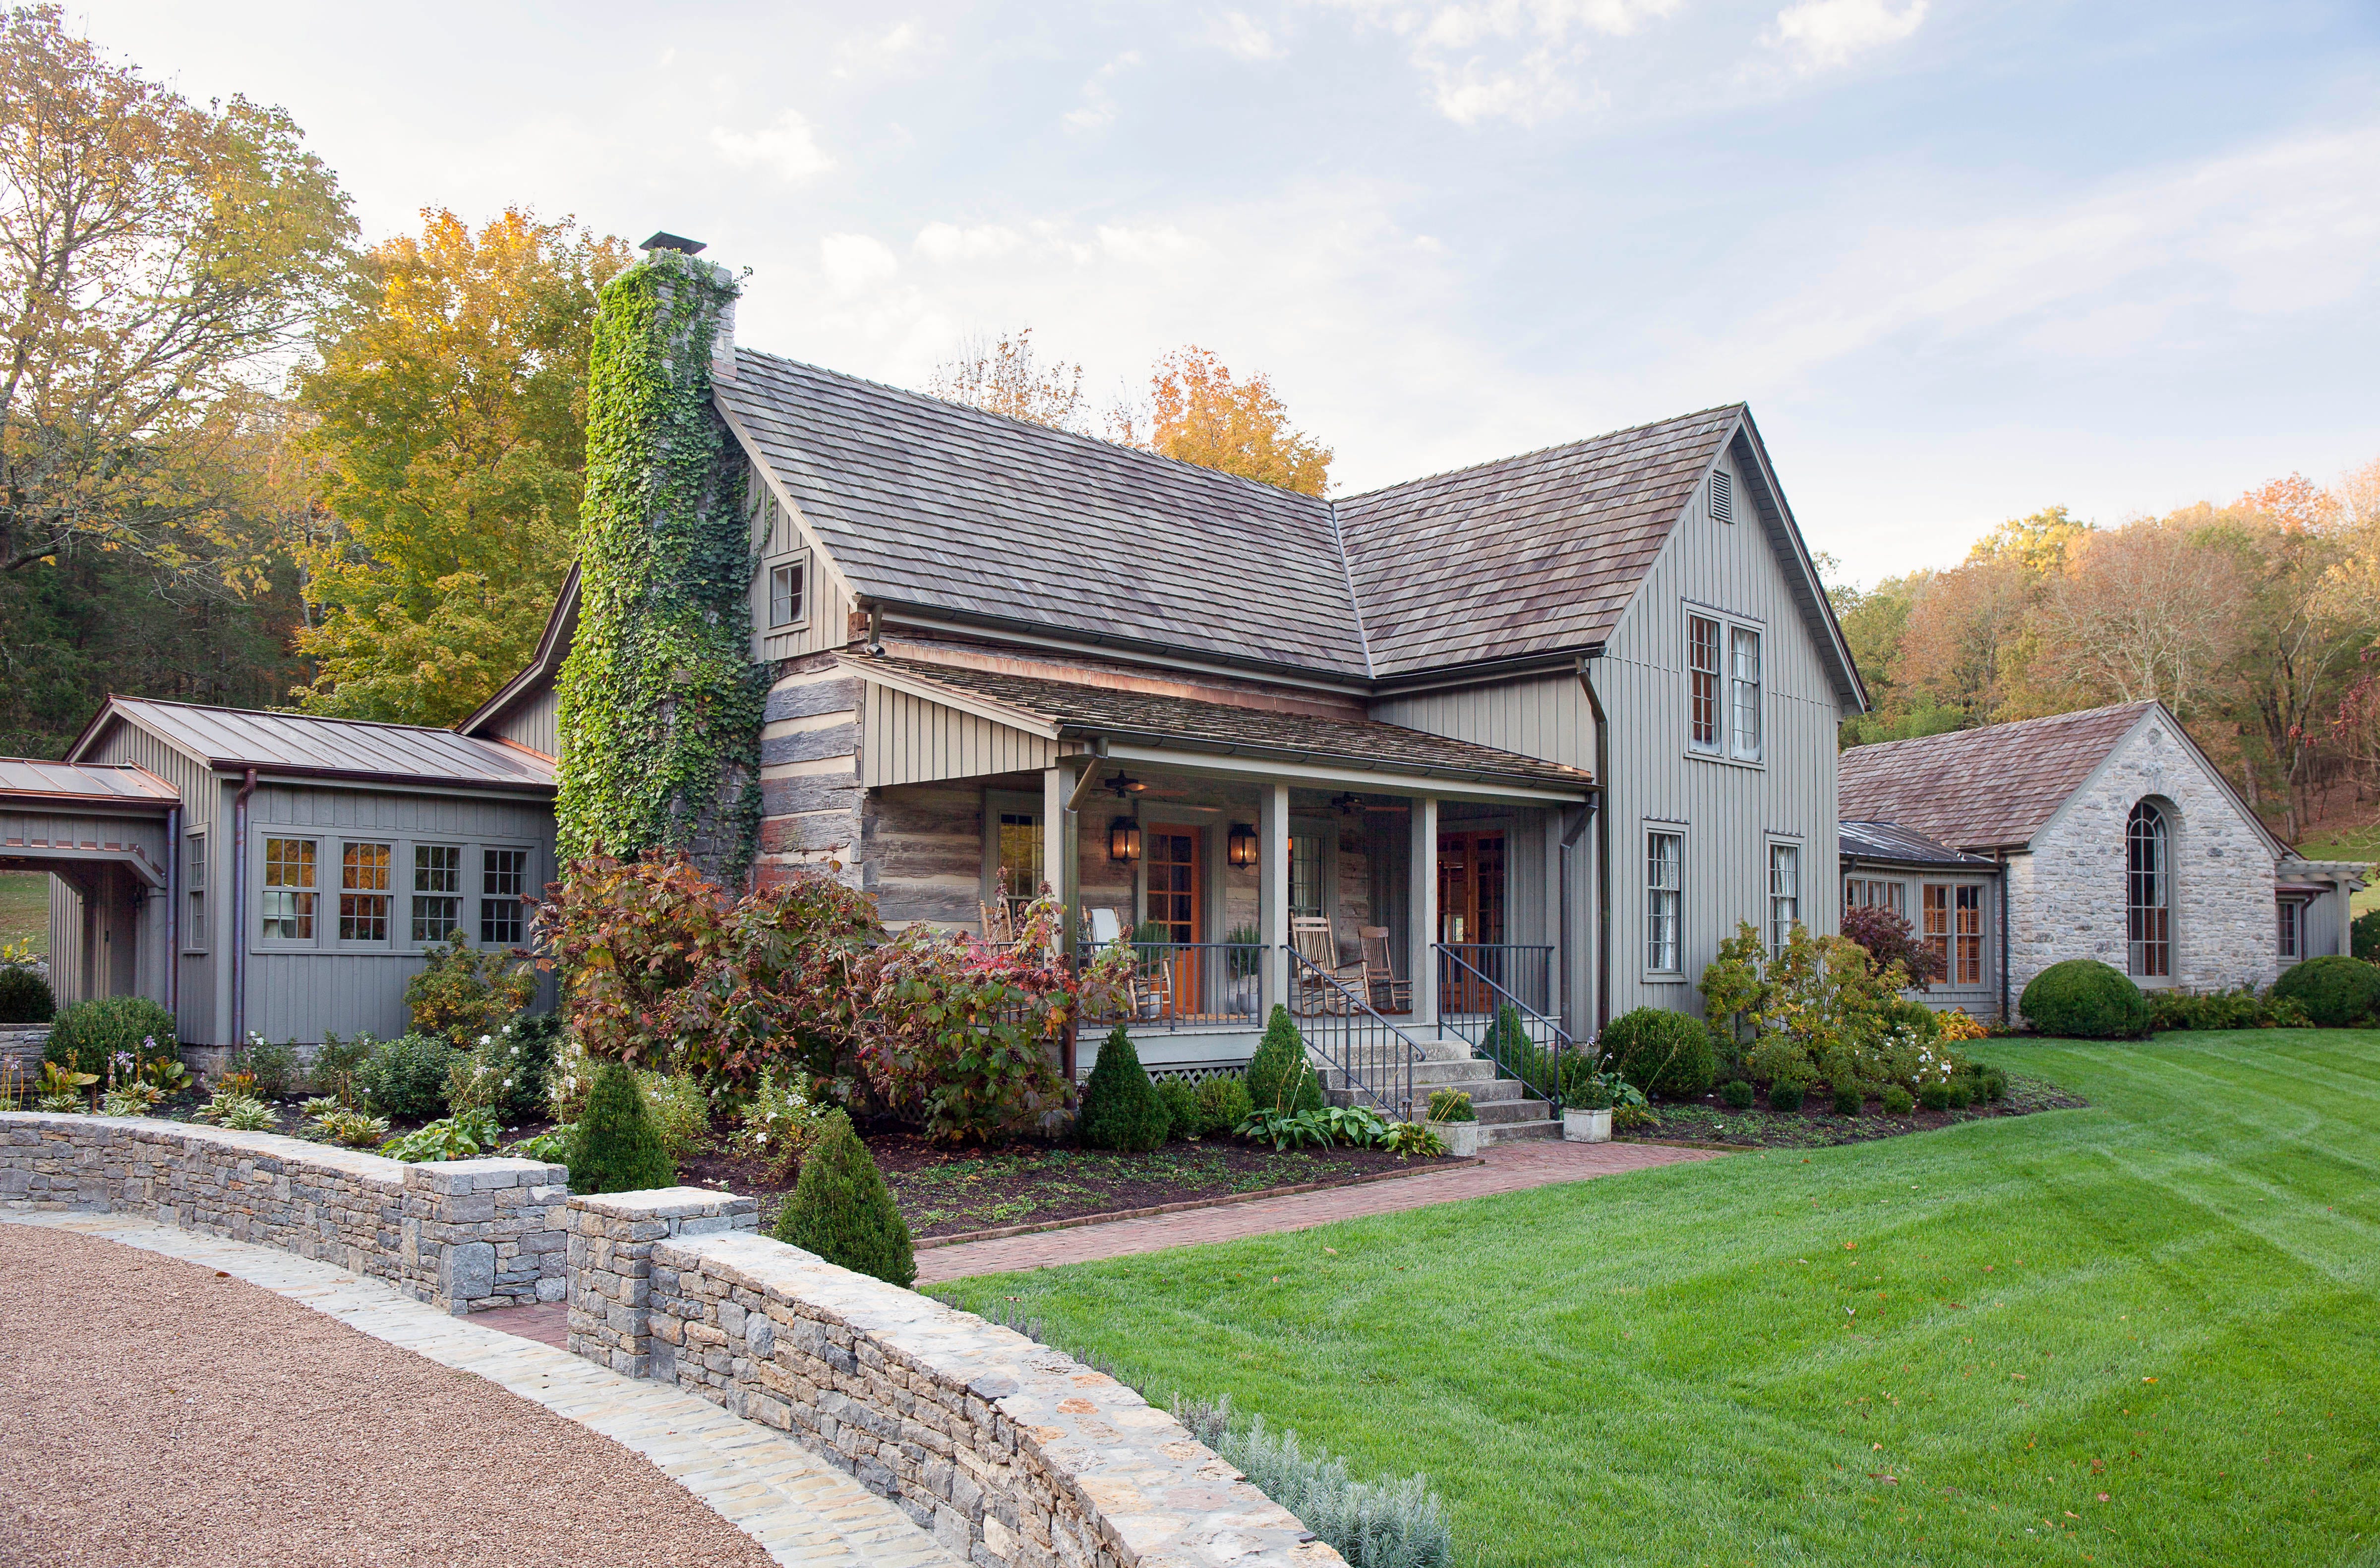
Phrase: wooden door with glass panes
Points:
(1172, 858)
(1471, 915)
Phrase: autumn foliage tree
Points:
(1198, 412)
(1001, 375)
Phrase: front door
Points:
(1470, 913)
(1174, 859)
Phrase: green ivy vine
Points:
(660, 704)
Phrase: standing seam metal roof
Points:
(24, 779)
(303, 743)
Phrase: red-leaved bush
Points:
(1889, 940)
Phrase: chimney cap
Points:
(664, 240)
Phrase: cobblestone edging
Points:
(1008, 1451)
(462, 1234)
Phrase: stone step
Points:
(1519, 1132)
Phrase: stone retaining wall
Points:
(22, 1044)
(463, 1235)
(1008, 1451)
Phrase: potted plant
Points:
(1588, 1094)
(1245, 958)
(1454, 1122)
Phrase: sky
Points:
(1964, 260)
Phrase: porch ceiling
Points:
(1217, 737)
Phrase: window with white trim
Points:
(1784, 894)
(364, 895)
(1726, 692)
(286, 902)
(437, 890)
(1743, 684)
(1665, 857)
(2292, 932)
(503, 877)
(2148, 892)
(194, 890)
(789, 593)
(1702, 682)
(1874, 892)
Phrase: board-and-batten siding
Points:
(914, 740)
(203, 1012)
(535, 722)
(778, 537)
(1729, 812)
(1544, 716)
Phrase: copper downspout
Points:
(173, 908)
(239, 910)
(1602, 844)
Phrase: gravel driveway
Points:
(153, 1411)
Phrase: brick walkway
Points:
(1509, 1168)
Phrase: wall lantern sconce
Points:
(1123, 785)
(1123, 839)
(1243, 844)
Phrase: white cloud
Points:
(982, 242)
(1822, 33)
(877, 53)
(1097, 110)
(1517, 60)
(787, 147)
(854, 264)
(1237, 33)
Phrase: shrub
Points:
(1451, 1105)
(1785, 1095)
(1898, 1101)
(1959, 1093)
(1396, 1525)
(1935, 1097)
(1890, 940)
(88, 1033)
(1121, 1109)
(466, 1135)
(1224, 1104)
(335, 1063)
(2334, 991)
(2083, 999)
(1991, 1083)
(274, 1067)
(1280, 1077)
(1737, 1095)
(841, 1212)
(1847, 1100)
(25, 997)
(405, 1079)
(1182, 1117)
(779, 1124)
(1660, 1051)
(467, 991)
(1956, 1025)
(504, 1073)
(2364, 935)
(618, 1147)
(351, 1129)
(681, 1109)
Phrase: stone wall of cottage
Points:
(1008, 1451)
(464, 1234)
(2066, 898)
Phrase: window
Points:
(1306, 876)
(437, 890)
(1784, 894)
(1866, 893)
(2148, 892)
(1744, 680)
(286, 901)
(2292, 929)
(194, 885)
(788, 583)
(1665, 857)
(363, 892)
(1723, 496)
(1020, 854)
(1937, 934)
(1701, 665)
(503, 875)
(1969, 913)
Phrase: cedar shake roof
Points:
(232, 739)
(1526, 555)
(944, 508)
(1990, 788)
(1195, 726)
(1891, 842)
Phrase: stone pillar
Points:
(612, 1276)
(478, 1233)
(1422, 901)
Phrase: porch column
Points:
(1057, 841)
(1272, 884)
(1422, 902)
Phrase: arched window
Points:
(2148, 891)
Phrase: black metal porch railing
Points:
(1502, 1023)
(1372, 1057)
(1191, 985)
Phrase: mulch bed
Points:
(947, 1192)
(1816, 1125)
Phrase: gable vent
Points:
(1722, 497)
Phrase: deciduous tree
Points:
(1199, 413)
(1001, 376)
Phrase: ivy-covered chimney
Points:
(660, 704)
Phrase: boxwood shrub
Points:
(1660, 1051)
(88, 1033)
(25, 997)
(2334, 991)
(2083, 999)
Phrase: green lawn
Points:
(1936, 1349)
(25, 909)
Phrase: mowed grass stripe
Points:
(1689, 1364)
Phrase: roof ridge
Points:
(1949, 736)
(1545, 450)
(294, 713)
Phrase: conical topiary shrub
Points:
(1280, 1077)
(841, 1211)
(618, 1145)
(1121, 1108)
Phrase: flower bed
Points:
(1815, 1125)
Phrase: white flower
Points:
(508, 1083)
(487, 1039)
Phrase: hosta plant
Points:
(464, 1136)
(61, 1087)
(1288, 1129)
(1410, 1138)
(237, 1112)
(133, 1099)
(351, 1129)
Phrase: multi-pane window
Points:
(1743, 683)
(194, 884)
(2148, 892)
(1863, 893)
(2292, 932)
(437, 890)
(287, 900)
(1784, 894)
(1968, 917)
(1305, 875)
(363, 892)
(503, 877)
(1702, 678)
(1020, 854)
(1937, 929)
(1665, 857)
(788, 584)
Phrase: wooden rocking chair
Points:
(1311, 937)
(1386, 992)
